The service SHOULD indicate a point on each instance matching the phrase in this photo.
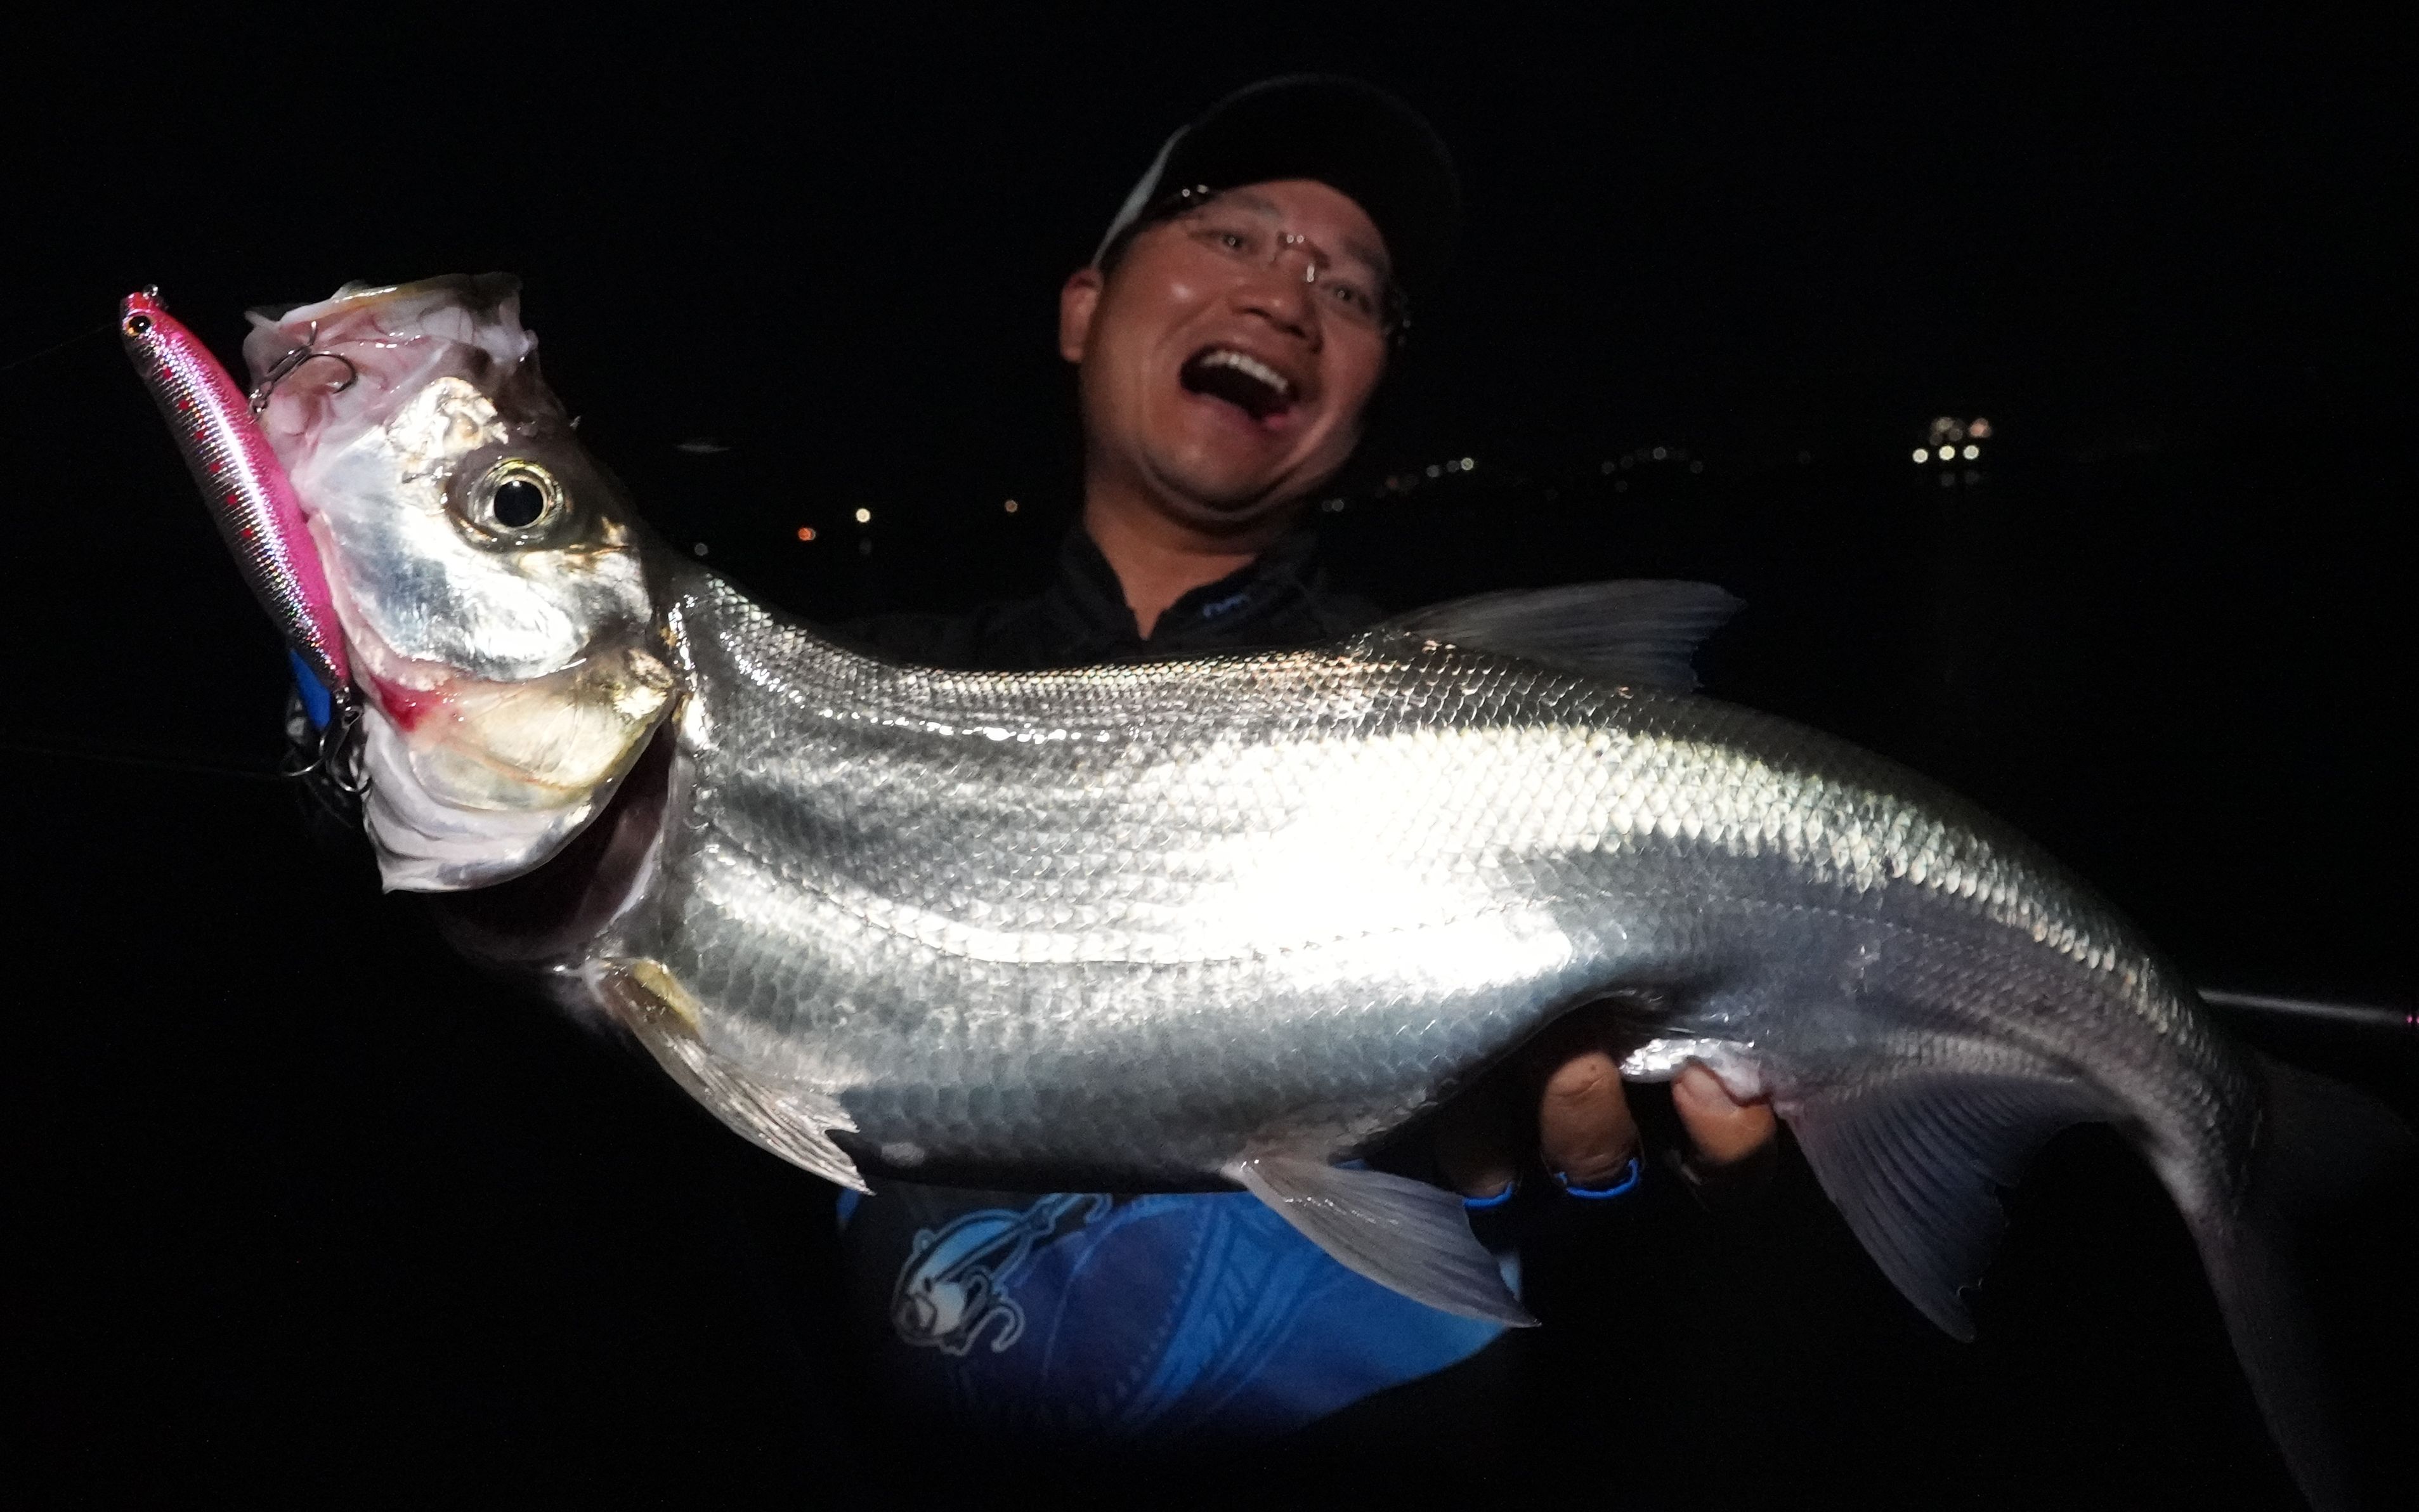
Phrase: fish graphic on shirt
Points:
(956, 1278)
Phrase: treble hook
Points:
(337, 753)
(285, 366)
(343, 758)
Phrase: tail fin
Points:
(2318, 1141)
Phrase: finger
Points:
(1722, 1129)
(1584, 1129)
(1476, 1150)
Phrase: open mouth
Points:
(1239, 378)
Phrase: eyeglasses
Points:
(1355, 293)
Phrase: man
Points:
(1228, 337)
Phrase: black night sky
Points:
(303, 1208)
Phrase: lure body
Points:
(242, 481)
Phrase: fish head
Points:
(488, 571)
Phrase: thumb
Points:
(1722, 1129)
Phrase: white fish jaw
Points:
(472, 782)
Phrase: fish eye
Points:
(518, 502)
(137, 325)
(516, 497)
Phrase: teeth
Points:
(1252, 367)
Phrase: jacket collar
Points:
(1087, 603)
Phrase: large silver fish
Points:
(1233, 920)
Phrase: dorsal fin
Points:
(1638, 630)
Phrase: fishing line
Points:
(101, 330)
(89, 753)
(2311, 1009)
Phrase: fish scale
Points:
(1242, 918)
(1229, 921)
(1440, 914)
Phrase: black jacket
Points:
(1282, 599)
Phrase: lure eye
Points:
(137, 325)
(516, 499)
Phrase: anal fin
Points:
(1405, 1235)
(794, 1122)
(1915, 1162)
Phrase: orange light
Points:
(806, 533)
(1009, 506)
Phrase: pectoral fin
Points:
(1915, 1162)
(1402, 1234)
(793, 1122)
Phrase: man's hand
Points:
(1583, 1129)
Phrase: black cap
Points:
(1352, 136)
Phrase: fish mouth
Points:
(1251, 383)
(567, 899)
(473, 781)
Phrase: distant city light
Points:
(1009, 506)
(1950, 438)
(698, 548)
(1696, 467)
(1468, 465)
(1660, 454)
(1434, 472)
(806, 533)
(1453, 464)
(1608, 470)
(865, 517)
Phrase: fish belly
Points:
(1122, 1072)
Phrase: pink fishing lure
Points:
(247, 490)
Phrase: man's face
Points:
(1215, 374)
